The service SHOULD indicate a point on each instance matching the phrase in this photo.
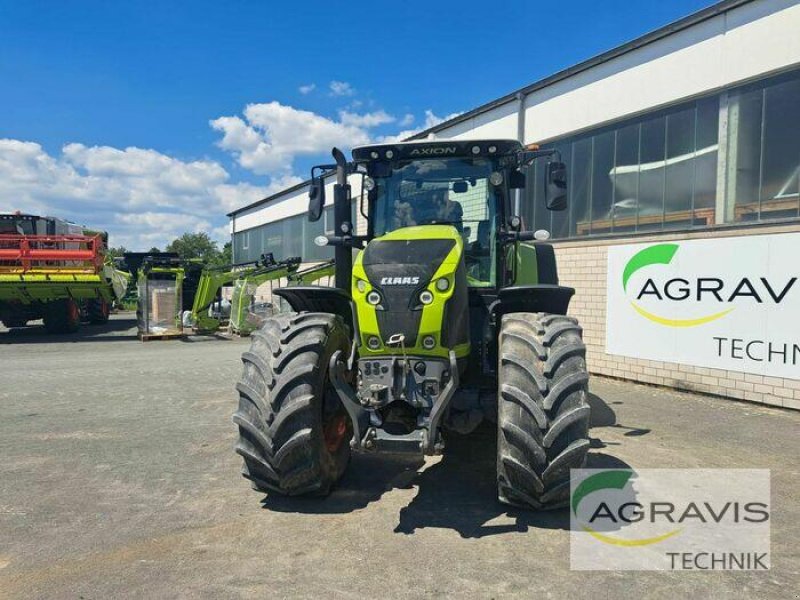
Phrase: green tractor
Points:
(446, 313)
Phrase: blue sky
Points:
(132, 116)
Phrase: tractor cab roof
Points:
(436, 149)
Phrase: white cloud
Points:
(431, 120)
(271, 135)
(366, 120)
(307, 89)
(145, 198)
(341, 88)
(140, 196)
(268, 137)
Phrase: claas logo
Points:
(399, 280)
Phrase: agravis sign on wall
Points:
(726, 303)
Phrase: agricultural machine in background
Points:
(159, 284)
(247, 314)
(167, 284)
(57, 271)
(450, 314)
(206, 314)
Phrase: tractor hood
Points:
(395, 286)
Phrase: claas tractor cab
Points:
(446, 312)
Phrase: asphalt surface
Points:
(118, 479)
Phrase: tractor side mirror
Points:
(316, 198)
(516, 180)
(556, 186)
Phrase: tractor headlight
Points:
(361, 285)
(369, 184)
(374, 298)
(442, 284)
(496, 178)
(426, 297)
(428, 342)
(373, 343)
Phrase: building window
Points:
(660, 171)
(764, 150)
(653, 173)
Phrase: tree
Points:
(116, 252)
(226, 257)
(196, 245)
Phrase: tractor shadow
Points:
(605, 416)
(366, 479)
(457, 491)
(120, 327)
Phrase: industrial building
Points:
(686, 140)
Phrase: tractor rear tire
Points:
(294, 434)
(62, 316)
(97, 311)
(543, 414)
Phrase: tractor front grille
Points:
(412, 260)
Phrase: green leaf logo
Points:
(600, 481)
(660, 254)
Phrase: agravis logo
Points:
(670, 519)
(675, 289)
(724, 303)
(611, 480)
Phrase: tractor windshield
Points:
(452, 191)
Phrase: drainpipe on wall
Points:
(233, 235)
(521, 138)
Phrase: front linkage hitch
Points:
(367, 432)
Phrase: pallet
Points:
(147, 337)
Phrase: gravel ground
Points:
(118, 479)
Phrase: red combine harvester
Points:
(54, 270)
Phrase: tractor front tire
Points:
(543, 414)
(294, 434)
(62, 316)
